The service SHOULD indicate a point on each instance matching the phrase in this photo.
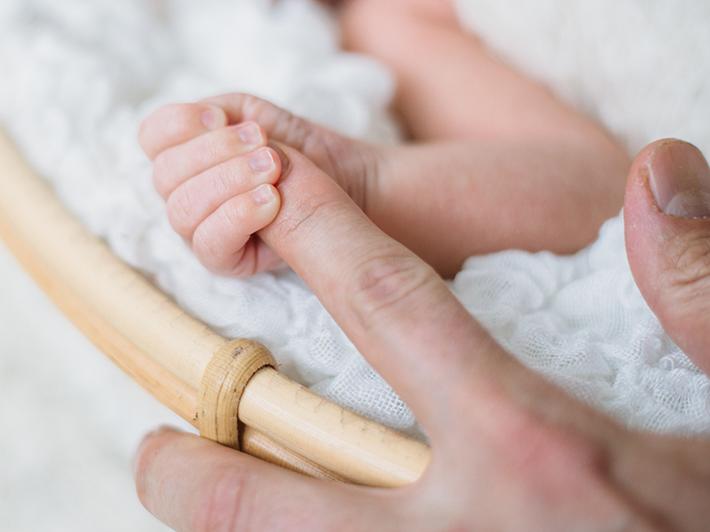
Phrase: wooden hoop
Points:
(168, 352)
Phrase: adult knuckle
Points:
(225, 505)
(690, 258)
(297, 132)
(250, 104)
(260, 110)
(685, 289)
(388, 283)
(281, 125)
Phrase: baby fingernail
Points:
(263, 195)
(249, 134)
(261, 161)
(213, 118)
(679, 178)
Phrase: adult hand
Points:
(510, 451)
(667, 211)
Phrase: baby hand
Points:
(218, 183)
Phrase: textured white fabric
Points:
(80, 75)
(642, 68)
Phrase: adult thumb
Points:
(667, 224)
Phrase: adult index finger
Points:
(393, 306)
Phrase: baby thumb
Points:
(667, 224)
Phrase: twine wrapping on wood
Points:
(223, 383)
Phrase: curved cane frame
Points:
(169, 353)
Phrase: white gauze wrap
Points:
(79, 77)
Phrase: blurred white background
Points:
(67, 435)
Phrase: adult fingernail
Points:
(679, 178)
(263, 194)
(213, 118)
(249, 134)
(261, 161)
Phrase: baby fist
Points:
(218, 182)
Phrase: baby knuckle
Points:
(240, 268)
(222, 180)
(225, 505)
(388, 284)
(207, 249)
(158, 116)
(219, 146)
(181, 211)
(161, 173)
(178, 116)
(233, 214)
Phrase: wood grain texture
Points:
(357, 449)
(222, 387)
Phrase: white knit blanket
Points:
(78, 76)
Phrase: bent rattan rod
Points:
(167, 352)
